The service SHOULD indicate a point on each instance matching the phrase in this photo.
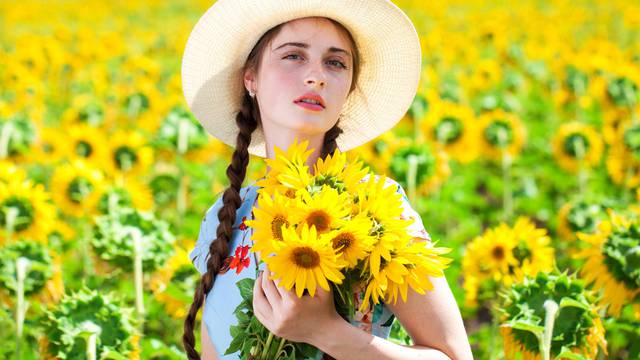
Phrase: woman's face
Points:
(308, 56)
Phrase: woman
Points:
(336, 73)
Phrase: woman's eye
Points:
(289, 56)
(338, 63)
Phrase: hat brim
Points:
(218, 46)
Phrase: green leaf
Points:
(236, 345)
(565, 353)
(566, 302)
(522, 325)
(246, 288)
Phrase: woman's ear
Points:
(250, 80)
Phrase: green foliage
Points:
(39, 272)
(64, 324)
(622, 255)
(113, 240)
(523, 311)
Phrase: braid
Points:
(330, 145)
(247, 121)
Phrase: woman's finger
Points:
(260, 302)
(270, 289)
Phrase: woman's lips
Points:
(312, 107)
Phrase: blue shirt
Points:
(224, 297)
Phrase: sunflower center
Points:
(320, 219)
(448, 130)
(499, 133)
(622, 255)
(125, 158)
(576, 80)
(522, 251)
(498, 253)
(276, 226)
(136, 104)
(91, 114)
(632, 140)
(582, 217)
(290, 193)
(343, 241)
(622, 91)
(576, 145)
(380, 147)
(25, 215)
(84, 149)
(78, 189)
(305, 257)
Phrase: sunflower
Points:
(611, 261)
(173, 283)
(496, 249)
(32, 216)
(271, 214)
(9, 171)
(129, 153)
(624, 86)
(533, 250)
(353, 241)
(623, 160)
(305, 260)
(577, 329)
(334, 172)
(86, 142)
(326, 209)
(502, 255)
(577, 143)
(452, 127)
(288, 171)
(578, 216)
(84, 109)
(501, 131)
(77, 187)
(48, 148)
(412, 266)
(131, 193)
(431, 165)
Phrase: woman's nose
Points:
(316, 77)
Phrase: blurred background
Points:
(521, 152)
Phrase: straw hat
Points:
(218, 46)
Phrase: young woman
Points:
(336, 73)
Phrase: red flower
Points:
(243, 226)
(240, 260)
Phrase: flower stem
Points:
(22, 267)
(412, 173)
(265, 350)
(182, 145)
(582, 172)
(138, 273)
(5, 138)
(280, 345)
(551, 309)
(507, 193)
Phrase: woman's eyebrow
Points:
(332, 49)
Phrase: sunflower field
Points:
(521, 152)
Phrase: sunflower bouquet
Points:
(337, 228)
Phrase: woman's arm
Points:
(433, 321)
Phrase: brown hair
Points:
(247, 120)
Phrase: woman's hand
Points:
(287, 316)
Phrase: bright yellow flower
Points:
(129, 154)
(35, 214)
(334, 171)
(575, 143)
(452, 127)
(353, 241)
(86, 142)
(305, 260)
(326, 210)
(501, 131)
(609, 249)
(270, 215)
(172, 280)
(76, 188)
(288, 171)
